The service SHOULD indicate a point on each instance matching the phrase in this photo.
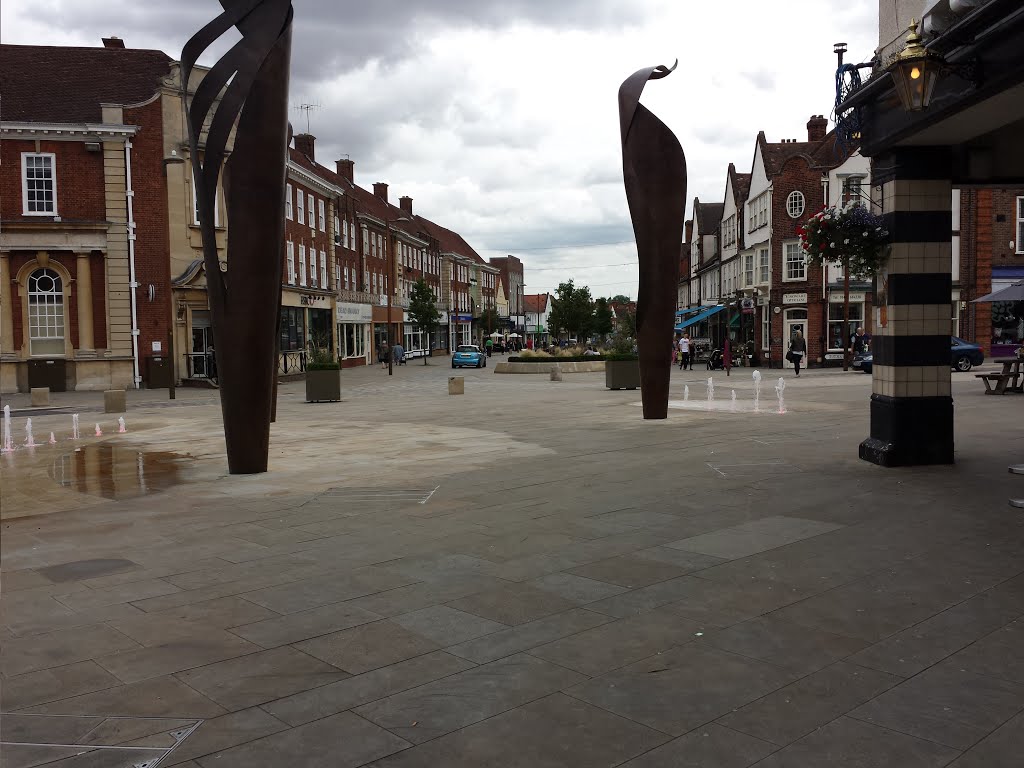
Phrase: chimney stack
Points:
(405, 202)
(113, 42)
(346, 169)
(380, 189)
(817, 127)
(304, 143)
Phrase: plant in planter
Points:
(323, 374)
(622, 365)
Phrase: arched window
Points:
(45, 313)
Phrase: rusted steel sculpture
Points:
(654, 169)
(249, 84)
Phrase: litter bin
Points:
(50, 373)
(158, 372)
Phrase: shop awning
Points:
(689, 311)
(706, 313)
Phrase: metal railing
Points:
(292, 361)
(200, 365)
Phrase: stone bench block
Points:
(40, 396)
(456, 385)
(114, 401)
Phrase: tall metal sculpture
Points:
(249, 84)
(654, 169)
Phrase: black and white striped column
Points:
(911, 403)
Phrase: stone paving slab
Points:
(580, 587)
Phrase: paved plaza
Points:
(526, 575)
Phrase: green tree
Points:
(620, 299)
(602, 317)
(489, 320)
(422, 309)
(572, 310)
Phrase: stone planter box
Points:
(622, 374)
(323, 386)
(545, 367)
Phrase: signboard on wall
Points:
(748, 307)
(794, 298)
(838, 297)
(355, 313)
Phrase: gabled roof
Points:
(741, 187)
(708, 215)
(43, 83)
(818, 154)
(537, 303)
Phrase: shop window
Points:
(293, 329)
(837, 339)
(353, 340)
(46, 327)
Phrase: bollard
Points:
(556, 373)
(40, 396)
(114, 401)
(456, 385)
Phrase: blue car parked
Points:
(963, 356)
(469, 354)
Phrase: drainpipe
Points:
(133, 282)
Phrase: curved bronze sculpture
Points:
(249, 84)
(654, 170)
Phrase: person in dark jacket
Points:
(797, 350)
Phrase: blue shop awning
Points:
(708, 312)
(689, 311)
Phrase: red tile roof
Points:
(818, 154)
(537, 303)
(55, 84)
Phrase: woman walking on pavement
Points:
(797, 350)
(383, 351)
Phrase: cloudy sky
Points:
(500, 118)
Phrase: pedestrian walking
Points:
(685, 359)
(797, 350)
(399, 353)
(383, 353)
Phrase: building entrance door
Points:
(796, 320)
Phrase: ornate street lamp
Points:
(915, 72)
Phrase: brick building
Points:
(988, 251)
(512, 280)
(84, 269)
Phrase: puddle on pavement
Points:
(116, 472)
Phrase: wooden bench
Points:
(1000, 380)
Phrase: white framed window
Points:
(373, 244)
(794, 263)
(46, 327)
(323, 270)
(311, 212)
(352, 337)
(302, 264)
(337, 231)
(314, 271)
(337, 276)
(195, 207)
(366, 243)
(764, 266)
(729, 232)
(748, 270)
(852, 189)
(1020, 225)
(300, 202)
(290, 262)
(758, 209)
(321, 210)
(288, 201)
(346, 278)
(39, 185)
(795, 204)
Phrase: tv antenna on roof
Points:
(308, 107)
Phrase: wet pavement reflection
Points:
(116, 472)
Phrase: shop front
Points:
(354, 324)
(839, 333)
(1007, 316)
(306, 319)
(460, 329)
(381, 335)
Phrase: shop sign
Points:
(794, 298)
(462, 318)
(700, 340)
(355, 313)
(308, 299)
(834, 356)
(748, 307)
(838, 297)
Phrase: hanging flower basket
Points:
(849, 233)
